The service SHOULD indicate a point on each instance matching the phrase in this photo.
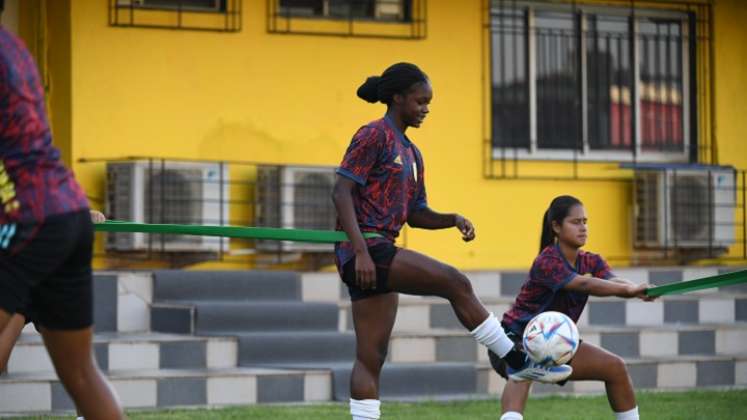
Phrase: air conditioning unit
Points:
(174, 193)
(390, 10)
(295, 197)
(684, 208)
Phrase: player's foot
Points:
(532, 371)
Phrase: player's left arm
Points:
(604, 272)
(622, 281)
(97, 217)
(425, 218)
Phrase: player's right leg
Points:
(10, 329)
(417, 274)
(373, 319)
(514, 399)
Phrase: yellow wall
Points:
(291, 99)
(731, 82)
(60, 87)
(9, 18)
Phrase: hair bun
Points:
(369, 90)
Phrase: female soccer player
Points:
(561, 279)
(380, 186)
(46, 236)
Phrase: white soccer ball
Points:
(551, 337)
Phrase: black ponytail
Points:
(398, 78)
(558, 210)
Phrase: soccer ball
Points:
(551, 337)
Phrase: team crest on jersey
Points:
(398, 160)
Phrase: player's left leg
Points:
(594, 363)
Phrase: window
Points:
(204, 15)
(593, 83)
(385, 10)
(403, 19)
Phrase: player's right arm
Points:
(342, 196)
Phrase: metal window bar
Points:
(698, 216)
(670, 111)
(302, 201)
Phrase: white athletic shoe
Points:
(541, 373)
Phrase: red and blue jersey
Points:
(388, 170)
(543, 290)
(33, 182)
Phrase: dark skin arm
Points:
(426, 218)
(342, 196)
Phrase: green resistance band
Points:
(278, 234)
(699, 284)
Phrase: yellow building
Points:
(532, 99)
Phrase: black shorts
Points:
(382, 255)
(501, 365)
(46, 274)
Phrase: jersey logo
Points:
(398, 160)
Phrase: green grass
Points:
(711, 405)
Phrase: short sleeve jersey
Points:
(543, 289)
(389, 175)
(34, 183)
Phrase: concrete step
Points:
(295, 347)
(253, 285)
(413, 381)
(417, 313)
(160, 388)
(215, 317)
(629, 342)
(123, 352)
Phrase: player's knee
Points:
(616, 368)
(373, 358)
(459, 283)
(381, 353)
(78, 372)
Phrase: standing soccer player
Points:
(561, 279)
(46, 236)
(380, 186)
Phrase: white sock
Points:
(512, 415)
(80, 418)
(491, 335)
(631, 414)
(365, 409)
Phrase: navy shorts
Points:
(382, 255)
(45, 273)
